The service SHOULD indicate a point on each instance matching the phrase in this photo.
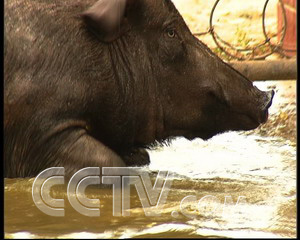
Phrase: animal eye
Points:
(171, 33)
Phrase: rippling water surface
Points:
(254, 175)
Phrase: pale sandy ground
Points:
(237, 22)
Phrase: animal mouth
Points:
(265, 113)
(254, 122)
(265, 116)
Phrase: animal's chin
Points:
(249, 122)
(203, 135)
(244, 122)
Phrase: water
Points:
(254, 175)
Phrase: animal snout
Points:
(268, 99)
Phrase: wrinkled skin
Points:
(76, 98)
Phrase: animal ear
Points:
(106, 19)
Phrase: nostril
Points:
(270, 96)
(272, 93)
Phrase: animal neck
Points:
(136, 83)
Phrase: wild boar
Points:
(93, 83)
